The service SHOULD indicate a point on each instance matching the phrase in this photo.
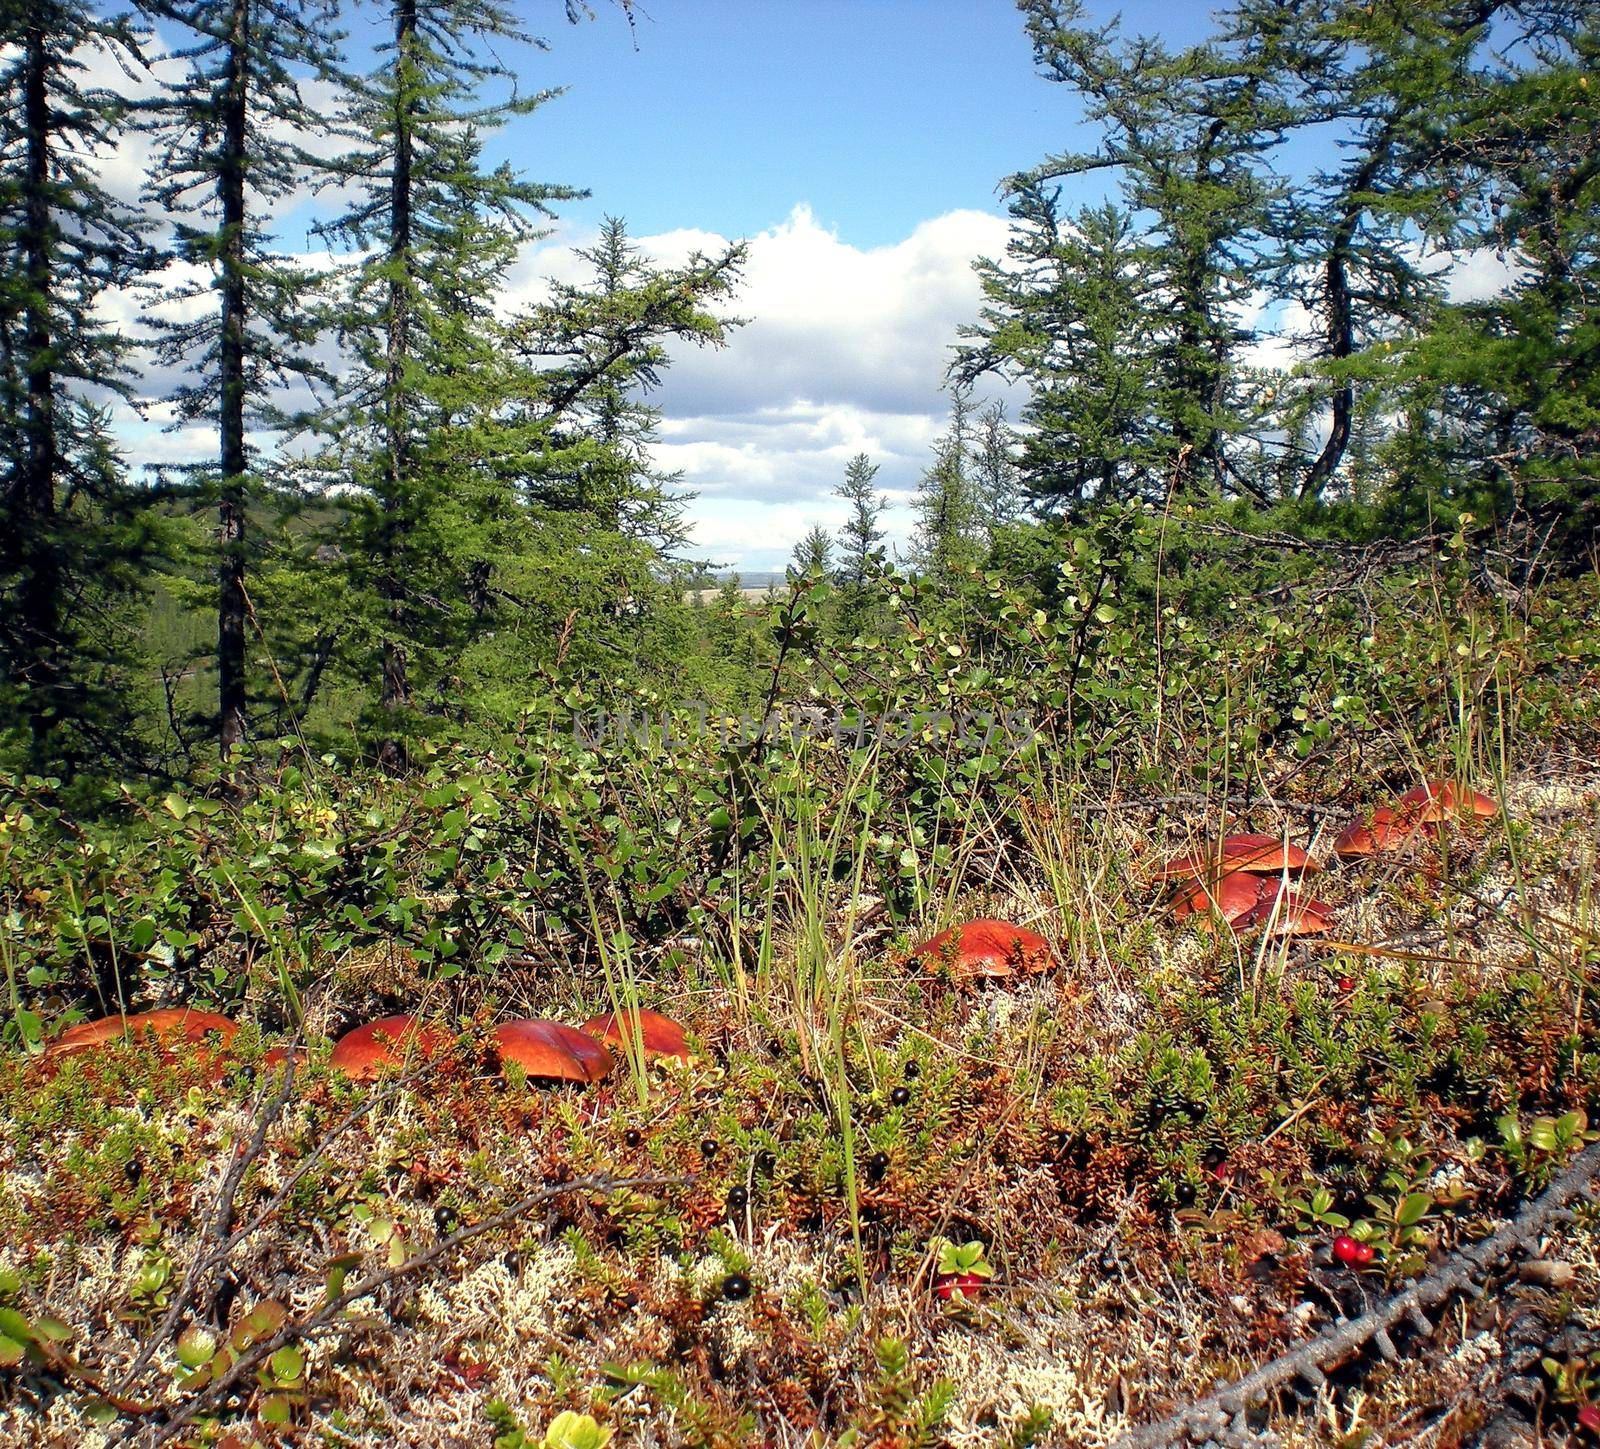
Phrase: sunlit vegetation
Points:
(470, 976)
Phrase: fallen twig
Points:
(1461, 1272)
(219, 1388)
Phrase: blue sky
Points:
(857, 145)
(723, 114)
(857, 142)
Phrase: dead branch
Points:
(218, 1242)
(219, 1388)
(1462, 1272)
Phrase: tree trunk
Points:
(396, 689)
(231, 598)
(40, 590)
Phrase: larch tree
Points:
(1510, 380)
(231, 146)
(1343, 242)
(607, 469)
(431, 231)
(71, 535)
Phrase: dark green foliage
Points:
(861, 544)
(948, 506)
(814, 553)
(1440, 136)
(230, 144)
(74, 543)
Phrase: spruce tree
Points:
(71, 533)
(231, 137)
(861, 539)
(949, 516)
(994, 468)
(1184, 136)
(1074, 310)
(813, 554)
(432, 231)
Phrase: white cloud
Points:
(844, 353)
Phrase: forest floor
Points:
(748, 1251)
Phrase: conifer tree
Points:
(1074, 311)
(71, 534)
(861, 539)
(1343, 241)
(994, 468)
(949, 517)
(231, 138)
(814, 553)
(432, 231)
(1511, 381)
(615, 478)
(1184, 134)
(501, 461)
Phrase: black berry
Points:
(708, 1148)
(766, 1163)
(633, 1137)
(913, 1071)
(736, 1287)
(877, 1166)
(738, 1199)
(900, 1096)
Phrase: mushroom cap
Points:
(1231, 897)
(1441, 799)
(1286, 913)
(1261, 854)
(986, 948)
(1385, 831)
(171, 1022)
(368, 1051)
(658, 1035)
(551, 1051)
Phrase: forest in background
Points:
(1140, 933)
(423, 515)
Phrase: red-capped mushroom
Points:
(1384, 832)
(168, 1024)
(1443, 800)
(985, 948)
(1286, 913)
(657, 1035)
(367, 1052)
(1231, 897)
(551, 1051)
(1259, 854)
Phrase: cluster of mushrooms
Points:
(1244, 880)
(542, 1050)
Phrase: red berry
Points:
(1364, 1253)
(1589, 1417)
(1346, 984)
(1346, 1249)
(948, 1283)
